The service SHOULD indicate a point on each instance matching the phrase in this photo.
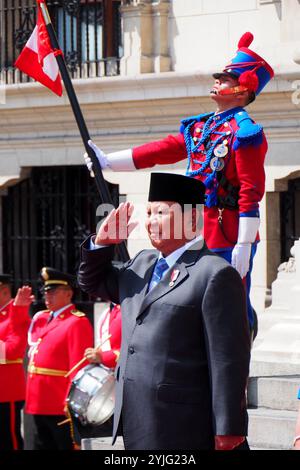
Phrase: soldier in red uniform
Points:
(226, 150)
(58, 338)
(14, 323)
(107, 355)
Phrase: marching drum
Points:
(92, 394)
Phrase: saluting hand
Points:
(117, 226)
(24, 297)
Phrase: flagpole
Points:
(100, 181)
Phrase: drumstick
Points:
(65, 421)
(84, 358)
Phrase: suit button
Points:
(131, 349)
(139, 321)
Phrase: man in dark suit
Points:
(183, 367)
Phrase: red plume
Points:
(249, 79)
(245, 40)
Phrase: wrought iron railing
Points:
(89, 34)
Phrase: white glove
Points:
(102, 158)
(240, 258)
(116, 161)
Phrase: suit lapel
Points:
(188, 258)
(146, 277)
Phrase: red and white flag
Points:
(38, 59)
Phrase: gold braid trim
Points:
(13, 361)
(44, 371)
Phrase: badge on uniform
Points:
(221, 151)
(174, 276)
(216, 164)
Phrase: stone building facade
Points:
(169, 50)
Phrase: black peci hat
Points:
(176, 188)
(52, 278)
(5, 279)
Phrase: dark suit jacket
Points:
(183, 368)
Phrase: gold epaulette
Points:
(77, 313)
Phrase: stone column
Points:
(137, 38)
(162, 60)
(145, 37)
(290, 30)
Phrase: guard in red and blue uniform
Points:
(57, 338)
(14, 323)
(226, 150)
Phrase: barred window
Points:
(88, 31)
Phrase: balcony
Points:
(88, 31)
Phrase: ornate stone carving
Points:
(71, 6)
(72, 60)
(290, 265)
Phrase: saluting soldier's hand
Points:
(93, 355)
(24, 297)
(117, 226)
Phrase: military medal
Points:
(174, 276)
(221, 151)
(216, 164)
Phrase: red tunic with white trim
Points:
(55, 348)
(244, 168)
(14, 323)
(111, 325)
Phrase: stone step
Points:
(102, 443)
(271, 368)
(278, 393)
(271, 429)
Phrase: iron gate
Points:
(45, 219)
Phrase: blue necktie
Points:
(160, 267)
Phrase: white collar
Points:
(59, 311)
(175, 255)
